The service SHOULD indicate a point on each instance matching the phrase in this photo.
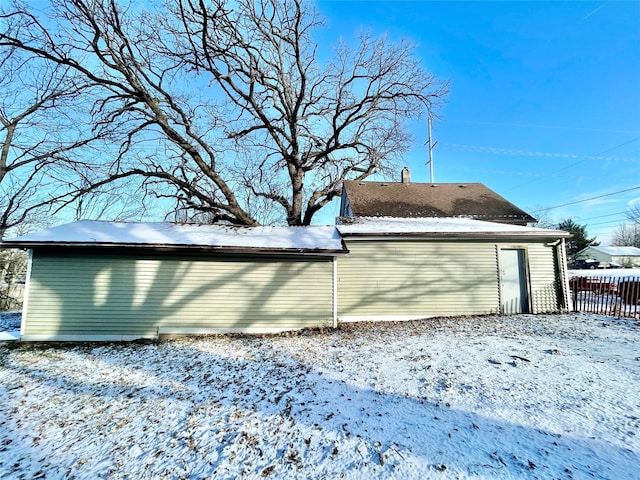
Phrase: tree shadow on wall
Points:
(141, 295)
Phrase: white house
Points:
(625, 256)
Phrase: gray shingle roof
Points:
(397, 199)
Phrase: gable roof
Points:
(615, 251)
(442, 228)
(172, 236)
(406, 199)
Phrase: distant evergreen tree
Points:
(579, 239)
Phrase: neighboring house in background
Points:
(405, 199)
(625, 256)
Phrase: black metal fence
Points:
(608, 295)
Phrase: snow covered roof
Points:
(617, 251)
(172, 236)
(441, 227)
(266, 239)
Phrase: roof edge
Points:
(465, 235)
(176, 248)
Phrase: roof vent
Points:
(406, 175)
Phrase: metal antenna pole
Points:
(430, 152)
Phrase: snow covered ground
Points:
(605, 272)
(553, 396)
(10, 325)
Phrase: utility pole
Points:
(431, 145)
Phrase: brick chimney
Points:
(406, 175)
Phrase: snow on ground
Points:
(552, 396)
(605, 272)
(10, 325)
(10, 320)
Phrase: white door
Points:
(513, 281)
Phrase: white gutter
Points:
(499, 272)
(335, 291)
(568, 298)
(349, 237)
(25, 295)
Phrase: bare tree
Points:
(544, 218)
(627, 235)
(26, 103)
(13, 265)
(227, 111)
(633, 213)
(138, 94)
(45, 137)
(307, 126)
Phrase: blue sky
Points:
(545, 99)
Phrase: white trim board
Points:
(85, 338)
(382, 318)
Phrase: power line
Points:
(517, 174)
(586, 199)
(582, 161)
(602, 216)
(604, 223)
(530, 153)
(529, 125)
